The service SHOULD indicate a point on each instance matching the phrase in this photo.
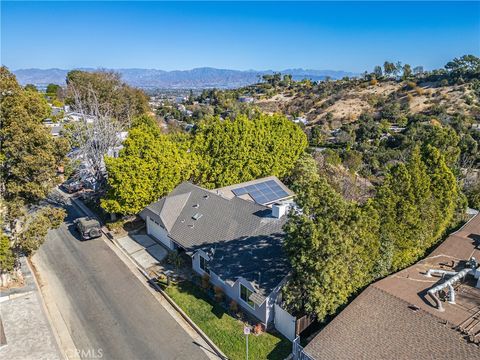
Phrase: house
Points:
(429, 310)
(246, 99)
(300, 120)
(233, 234)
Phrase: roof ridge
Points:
(211, 191)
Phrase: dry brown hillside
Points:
(345, 105)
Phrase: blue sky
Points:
(352, 36)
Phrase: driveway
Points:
(105, 307)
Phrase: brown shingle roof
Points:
(378, 325)
(394, 319)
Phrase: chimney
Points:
(278, 210)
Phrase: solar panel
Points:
(262, 193)
(239, 191)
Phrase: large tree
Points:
(30, 155)
(30, 158)
(417, 203)
(104, 92)
(108, 106)
(234, 151)
(150, 166)
(332, 245)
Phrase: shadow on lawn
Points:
(191, 289)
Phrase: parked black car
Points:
(72, 186)
(88, 228)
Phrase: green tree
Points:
(389, 68)
(7, 258)
(467, 66)
(36, 229)
(30, 155)
(234, 151)
(407, 71)
(332, 248)
(149, 166)
(417, 203)
(31, 87)
(378, 71)
(52, 89)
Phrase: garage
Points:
(154, 229)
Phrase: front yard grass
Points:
(225, 331)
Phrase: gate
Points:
(285, 323)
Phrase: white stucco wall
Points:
(264, 312)
(159, 233)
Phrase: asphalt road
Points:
(107, 310)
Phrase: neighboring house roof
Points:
(394, 318)
(245, 237)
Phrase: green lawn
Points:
(225, 331)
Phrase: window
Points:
(245, 295)
(204, 264)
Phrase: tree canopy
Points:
(114, 98)
(30, 155)
(150, 165)
(331, 243)
(234, 151)
(336, 247)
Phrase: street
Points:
(107, 311)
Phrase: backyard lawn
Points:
(224, 330)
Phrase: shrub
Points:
(258, 329)
(373, 82)
(114, 226)
(411, 85)
(219, 295)
(420, 91)
(205, 281)
(233, 307)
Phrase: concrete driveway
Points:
(143, 249)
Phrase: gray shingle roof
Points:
(246, 239)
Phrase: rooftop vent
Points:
(197, 216)
(278, 210)
(196, 206)
(206, 196)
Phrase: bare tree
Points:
(97, 134)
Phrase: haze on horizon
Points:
(350, 36)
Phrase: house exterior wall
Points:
(159, 233)
(263, 312)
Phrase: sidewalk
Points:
(27, 331)
(145, 251)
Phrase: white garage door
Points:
(159, 233)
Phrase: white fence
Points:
(297, 351)
(285, 323)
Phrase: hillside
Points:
(360, 126)
(343, 102)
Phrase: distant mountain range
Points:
(179, 79)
